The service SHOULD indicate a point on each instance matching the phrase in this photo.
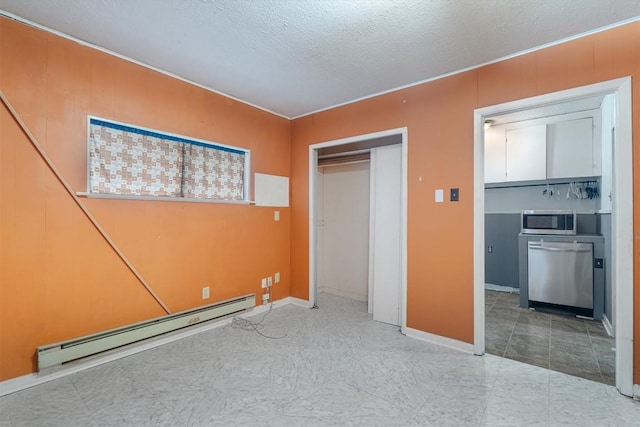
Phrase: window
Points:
(130, 161)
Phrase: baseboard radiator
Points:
(67, 351)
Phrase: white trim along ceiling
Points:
(294, 58)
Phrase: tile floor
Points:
(336, 366)
(562, 343)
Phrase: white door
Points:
(385, 272)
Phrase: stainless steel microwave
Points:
(549, 222)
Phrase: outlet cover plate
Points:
(205, 292)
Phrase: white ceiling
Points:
(294, 57)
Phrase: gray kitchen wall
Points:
(501, 249)
(516, 199)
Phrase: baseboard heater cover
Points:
(67, 351)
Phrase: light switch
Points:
(439, 196)
(276, 215)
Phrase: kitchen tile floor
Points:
(561, 343)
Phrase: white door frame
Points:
(313, 170)
(622, 215)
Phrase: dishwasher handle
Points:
(539, 247)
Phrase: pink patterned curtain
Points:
(126, 160)
(130, 163)
(212, 173)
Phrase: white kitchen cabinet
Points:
(569, 146)
(517, 154)
(526, 153)
(570, 149)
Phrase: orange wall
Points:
(58, 277)
(439, 118)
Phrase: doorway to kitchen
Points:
(620, 261)
(357, 222)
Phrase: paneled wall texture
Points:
(59, 278)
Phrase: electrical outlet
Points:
(205, 292)
(269, 282)
(276, 215)
(265, 298)
(264, 283)
(277, 277)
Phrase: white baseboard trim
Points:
(297, 301)
(440, 340)
(279, 303)
(259, 309)
(608, 326)
(30, 380)
(500, 288)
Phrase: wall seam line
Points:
(78, 202)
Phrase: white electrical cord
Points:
(248, 325)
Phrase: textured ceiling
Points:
(293, 57)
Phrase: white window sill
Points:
(161, 198)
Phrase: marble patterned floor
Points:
(562, 343)
(335, 366)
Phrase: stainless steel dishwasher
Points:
(561, 273)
